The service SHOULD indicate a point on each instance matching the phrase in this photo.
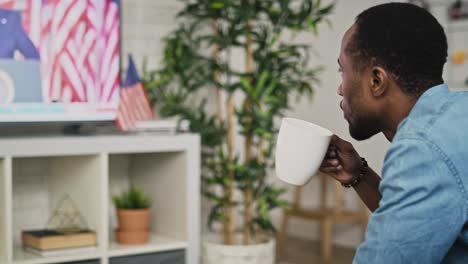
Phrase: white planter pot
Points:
(217, 253)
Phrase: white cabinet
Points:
(35, 173)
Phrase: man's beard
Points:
(364, 127)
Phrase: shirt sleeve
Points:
(422, 209)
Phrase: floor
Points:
(299, 251)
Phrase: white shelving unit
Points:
(157, 244)
(90, 169)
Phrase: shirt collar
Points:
(434, 90)
(420, 104)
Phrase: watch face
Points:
(7, 88)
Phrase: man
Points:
(391, 62)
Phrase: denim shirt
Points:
(422, 216)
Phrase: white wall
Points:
(144, 24)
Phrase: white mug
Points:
(300, 149)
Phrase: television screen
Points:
(59, 60)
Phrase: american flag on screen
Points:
(134, 105)
(78, 42)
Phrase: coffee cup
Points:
(300, 149)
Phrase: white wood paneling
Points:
(163, 176)
(84, 145)
(30, 188)
(103, 200)
(5, 209)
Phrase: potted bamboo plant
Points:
(201, 63)
(133, 214)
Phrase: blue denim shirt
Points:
(422, 217)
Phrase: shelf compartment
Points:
(39, 184)
(163, 177)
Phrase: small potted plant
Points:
(133, 213)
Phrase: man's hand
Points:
(341, 161)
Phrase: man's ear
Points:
(379, 81)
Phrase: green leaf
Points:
(261, 83)
(217, 5)
(318, 3)
(134, 198)
(327, 9)
(216, 215)
(248, 86)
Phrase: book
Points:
(52, 239)
(162, 126)
(59, 252)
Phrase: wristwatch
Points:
(357, 179)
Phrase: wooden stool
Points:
(327, 216)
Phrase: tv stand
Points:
(74, 129)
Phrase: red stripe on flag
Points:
(133, 107)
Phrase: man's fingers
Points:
(328, 170)
(339, 143)
(331, 153)
(335, 140)
(330, 163)
(331, 169)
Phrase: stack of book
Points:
(168, 126)
(52, 243)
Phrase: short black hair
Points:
(404, 39)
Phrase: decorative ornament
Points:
(66, 217)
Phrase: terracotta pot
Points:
(133, 219)
(133, 226)
(132, 237)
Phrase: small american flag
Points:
(134, 105)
